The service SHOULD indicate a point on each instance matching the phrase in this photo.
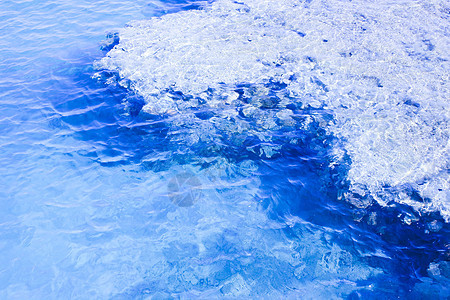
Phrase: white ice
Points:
(381, 68)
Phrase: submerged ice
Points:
(380, 69)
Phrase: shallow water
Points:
(104, 198)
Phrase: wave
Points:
(379, 69)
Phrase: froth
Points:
(381, 68)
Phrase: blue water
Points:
(100, 200)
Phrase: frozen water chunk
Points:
(380, 68)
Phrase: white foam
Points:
(381, 67)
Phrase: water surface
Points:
(131, 178)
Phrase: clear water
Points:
(125, 178)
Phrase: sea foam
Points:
(380, 69)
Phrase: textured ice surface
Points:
(381, 68)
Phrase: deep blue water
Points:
(100, 200)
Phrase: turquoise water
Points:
(195, 154)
